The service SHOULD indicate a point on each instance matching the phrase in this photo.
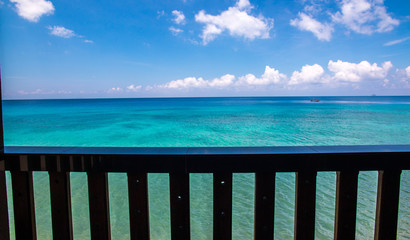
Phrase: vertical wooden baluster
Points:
(305, 205)
(61, 204)
(179, 199)
(138, 206)
(346, 205)
(222, 206)
(23, 201)
(4, 211)
(99, 205)
(388, 190)
(264, 205)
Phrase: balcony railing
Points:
(347, 161)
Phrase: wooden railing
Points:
(347, 161)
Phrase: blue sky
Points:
(87, 49)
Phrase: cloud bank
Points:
(352, 72)
(339, 72)
(362, 77)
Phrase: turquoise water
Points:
(175, 122)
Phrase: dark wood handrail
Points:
(210, 159)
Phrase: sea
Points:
(211, 122)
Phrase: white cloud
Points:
(134, 88)
(224, 81)
(88, 41)
(408, 71)
(396, 41)
(193, 82)
(365, 16)
(175, 31)
(189, 82)
(237, 21)
(32, 10)
(243, 4)
(308, 74)
(209, 33)
(179, 17)
(23, 92)
(270, 76)
(42, 92)
(322, 31)
(60, 31)
(356, 72)
(114, 90)
(313, 6)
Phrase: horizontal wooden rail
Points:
(222, 162)
(209, 160)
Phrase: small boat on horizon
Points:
(314, 100)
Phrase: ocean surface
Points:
(244, 121)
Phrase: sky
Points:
(188, 48)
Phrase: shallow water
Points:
(211, 122)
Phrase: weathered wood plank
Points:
(61, 205)
(387, 207)
(138, 206)
(99, 205)
(222, 206)
(264, 205)
(179, 200)
(305, 205)
(23, 201)
(346, 205)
